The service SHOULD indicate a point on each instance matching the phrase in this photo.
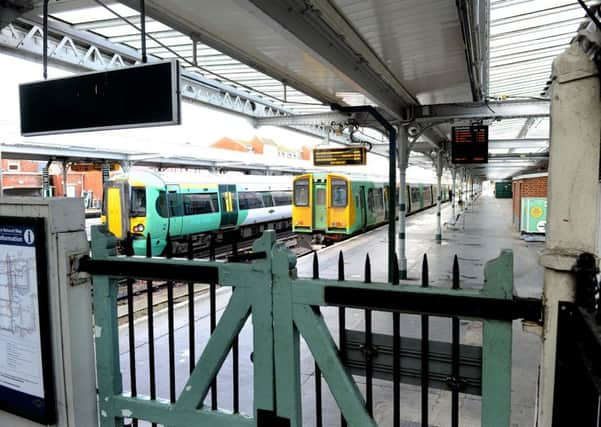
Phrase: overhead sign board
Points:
(137, 96)
(349, 156)
(26, 380)
(469, 144)
(87, 167)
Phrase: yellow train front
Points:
(331, 206)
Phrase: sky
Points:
(201, 126)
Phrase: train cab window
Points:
(339, 193)
(301, 192)
(267, 199)
(161, 205)
(320, 196)
(138, 202)
(249, 200)
(200, 203)
(282, 198)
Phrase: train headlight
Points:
(139, 228)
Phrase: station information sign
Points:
(349, 156)
(469, 144)
(26, 379)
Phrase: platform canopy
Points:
(306, 55)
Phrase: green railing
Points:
(284, 309)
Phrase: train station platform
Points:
(478, 236)
(481, 232)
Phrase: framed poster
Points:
(26, 380)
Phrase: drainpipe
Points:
(403, 152)
(46, 180)
(64, 178)
(573, 216)
(391, 177)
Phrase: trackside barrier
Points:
(285, 308)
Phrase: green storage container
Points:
(534, 215)
(503, 190)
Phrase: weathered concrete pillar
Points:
(403, 155)
(573, 196)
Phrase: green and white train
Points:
(143, 202)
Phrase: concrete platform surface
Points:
(482, 231)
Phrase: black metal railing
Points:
(578, 359)
(136, 306)
(450, 366)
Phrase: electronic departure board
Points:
(470, 144)
(350, 156)
(137, 96)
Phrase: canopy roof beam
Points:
(435, 113)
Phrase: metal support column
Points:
(454, 195)
(392, 150)
(439, 197)
(573, 216)
(403, 152)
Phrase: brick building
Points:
(25, 178)
(531, 185)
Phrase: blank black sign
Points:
(145, 95)
(470, 144)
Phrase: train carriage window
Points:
(175, 204)
(249, 200)
(267, 198)
(339, 190)
(320, 196)
(138, 202)
(301, 192)
(378, 200)
(370, 200)
(200, 203)
(282, 198)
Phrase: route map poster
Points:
(25, 359)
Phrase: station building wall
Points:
(533, 185)
(24, 178)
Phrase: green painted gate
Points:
(284, 309)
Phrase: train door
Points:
(174, 203)
(229, 207)
(362, 207)
(319, 206)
